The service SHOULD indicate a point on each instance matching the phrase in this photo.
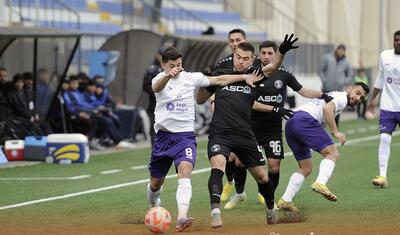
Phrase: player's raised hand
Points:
(254, 77)
(287, 44)
(341, 136)
(174, 72)
(285, 113)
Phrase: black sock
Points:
(240, 179)
(230, 170)
(215, 187)
(274, 177)
(267, 191)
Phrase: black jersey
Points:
(233, 105)
(272, 91)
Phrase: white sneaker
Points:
(235, 199)
(216, 220)
(125, 145)
(94, 144)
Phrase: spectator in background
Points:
(83, 79)
(152, 72)
(108, 122)
(57, 113)
(361, 107)
(28, 86)
(98, 79)
(42, 83)
(335, 72)
(10, 127)
(78, 113)
(44, 92)
(89, 93)
(17, 101)
(103, 98)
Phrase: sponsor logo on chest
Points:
(244, 89)
(177, 107)
(270, 98)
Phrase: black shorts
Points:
(246, 148)
(271, 142)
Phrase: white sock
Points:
(325, 171)
(152, 197)
(384, 153)
(183, 196)
(294, 185)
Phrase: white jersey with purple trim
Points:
(174, 110)
(315, 106)
(388, 80)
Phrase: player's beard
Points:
(350, 102)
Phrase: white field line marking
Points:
(147, 180)
(361, 130)
(47, 178)
(139, 167)
(374, 144)
(110, 171)
(93, 191)
(369, 138)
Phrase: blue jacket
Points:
(75, 102)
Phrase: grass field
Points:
(108, 196)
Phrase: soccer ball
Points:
(158, 219)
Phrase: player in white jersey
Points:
(305, 131)
(174, 126)
(387, 81)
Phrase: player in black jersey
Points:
(225, 66)
(230, 129)
(235, 36)
(267, 127)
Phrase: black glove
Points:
(285, 113)
(326, 97)
(287, 44)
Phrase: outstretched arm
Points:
(224, 80)
(285, 46)
(309, 93)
